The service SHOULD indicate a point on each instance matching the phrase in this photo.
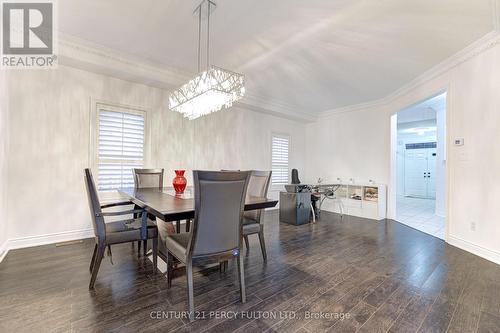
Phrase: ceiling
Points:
(311, 56)
(417, 129)
(423, 111)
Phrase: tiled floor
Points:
(419, 214)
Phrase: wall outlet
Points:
(473, 226)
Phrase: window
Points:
(279, 159)
(119, 146)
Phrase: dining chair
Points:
(258, 186)
(116, 232)
(216, 230)
(147, 178)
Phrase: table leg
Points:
(178, 227)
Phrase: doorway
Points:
(421, 166)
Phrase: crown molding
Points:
(81, 54)
(275, 108)
(78, 53)
(353, 108)
(483, 44)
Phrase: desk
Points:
(320, 192)
(326, 191)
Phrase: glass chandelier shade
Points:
(210, 91)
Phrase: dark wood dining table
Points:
(165, 205)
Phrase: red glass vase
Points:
(179, 181)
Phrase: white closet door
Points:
(415, 173)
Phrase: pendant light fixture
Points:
(212, 89)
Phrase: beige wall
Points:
(50, 145)
(3, 161)
(349, 145)
(357, 144)
(241, 139)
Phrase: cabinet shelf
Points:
(368, 201)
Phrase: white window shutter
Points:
(279, 159)
(120, 148)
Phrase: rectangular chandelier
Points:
(210, 91)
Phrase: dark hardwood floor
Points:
(368, 276)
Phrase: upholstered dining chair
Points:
(258, 186)
(116, 232)
(148, 178)
(217, 227)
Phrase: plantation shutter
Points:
(280, 152)
(120, 148)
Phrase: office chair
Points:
(314, 197)
(295, 177)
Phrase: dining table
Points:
(169, 206)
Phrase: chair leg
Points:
(188, 225)
(178, 227)
(189, 275)
(138, 249)
(223, 266)
(145, 247)
(100, 253)
(262, 245)
(313, 214)
(241, 275)
(93, 259)
(246, 242)
(110, 254)
(155, 254)
(170, 267)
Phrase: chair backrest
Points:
(258, 186)
(95, 206)
(147, 178)
(219, 205)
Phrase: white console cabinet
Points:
(362, 200)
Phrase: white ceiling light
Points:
(212, 89)
(420, 130)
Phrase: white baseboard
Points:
(4, 249)
(30, 241)
(480, 251)
(22, 242)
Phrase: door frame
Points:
(392, 195)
